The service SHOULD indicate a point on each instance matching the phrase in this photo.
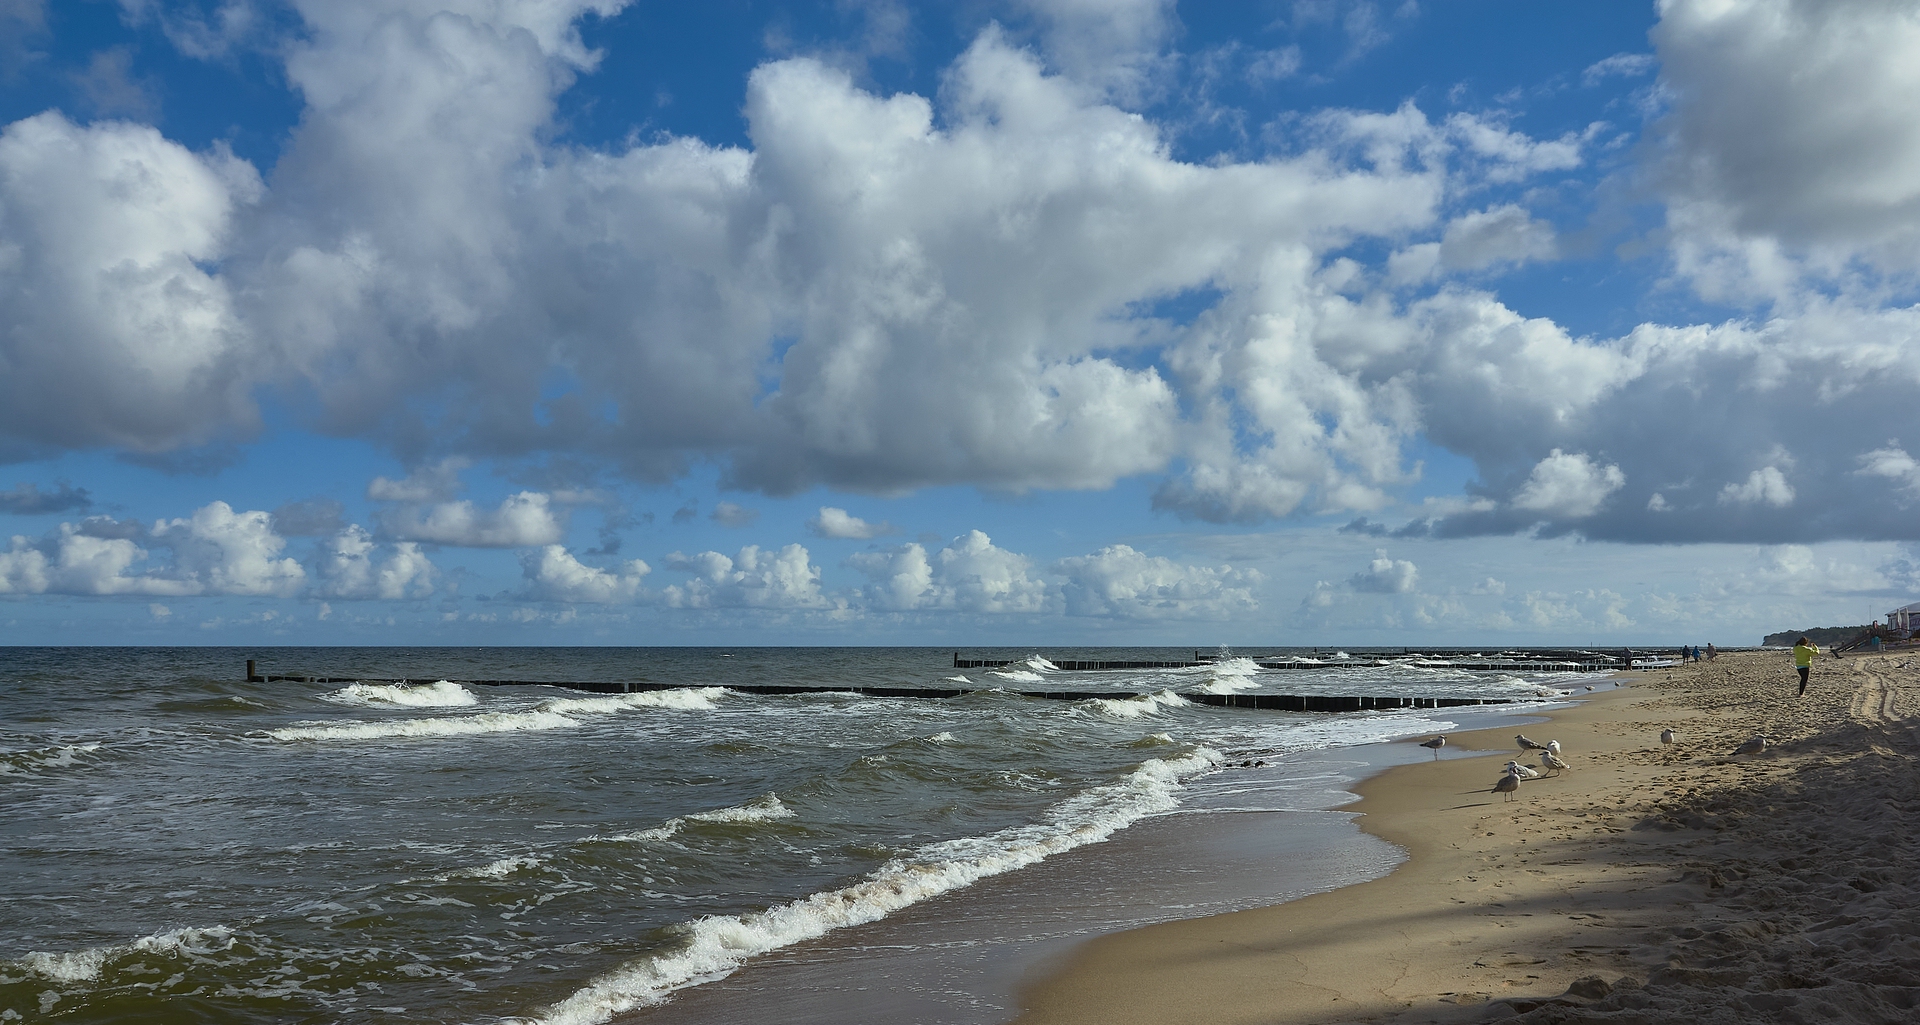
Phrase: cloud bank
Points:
(884, 292)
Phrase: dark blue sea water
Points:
(177, 844)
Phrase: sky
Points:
(985, 322)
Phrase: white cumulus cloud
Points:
(1568, 485)
(838, 523)
(553, 574)
(113, 331)
(522, 520)
(1765, 485)
(1123, 583)
(1791, 144)
(1386, 575)
(971, 574)
(783, 579)
(348, 568)
(214, 551)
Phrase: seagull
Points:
(1554, 746)
(1522, 771)
(1527, 745)
(1551, 761)
(1752, 747)
(1434, 745)
(1509, 785)
(1667, 736)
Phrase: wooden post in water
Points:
(250, 673)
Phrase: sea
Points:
(180, 845)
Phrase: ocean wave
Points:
(445, 726)
(87, 965)
(1016, 675)
(942, 737)
(443, 694)
(1230, 676)
(717, 945)
(956, 679)
(689, 698)
(37, 759)
(1134, 708)
(558, 713)
(760, 809)
(499, 869)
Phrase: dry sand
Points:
(1649, 884)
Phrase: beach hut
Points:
(1900, 621)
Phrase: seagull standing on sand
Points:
(1528, 745)
(1552, 762)
(1509, 785)
(1667, 736)
(1752, 747)
(1522, 771)
(1554, 746)
(1434, 745)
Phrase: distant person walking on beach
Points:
(1803, 652)
(1712, 653)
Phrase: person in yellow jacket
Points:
(1803, 652)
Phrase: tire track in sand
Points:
(1877, 698)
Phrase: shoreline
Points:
(961, 958)
(1597, 893)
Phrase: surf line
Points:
(1279, 702)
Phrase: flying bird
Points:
(1522, 771)
(1509, 785)
(1667, 736)
(1752, 747)
(1552, 762)
(1528, 745)
(1434, 745)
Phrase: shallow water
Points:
(180, 845)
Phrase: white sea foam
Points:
(957, 679)
(1229, 676)
(491, 870)
(86, 965)
(558, 713)
(1041, 665)
(717, 945)
(60, 756)
(446, 726)
(760, 809)
(1134, 708)
(689, 698)
(444, 694)
(942, 737)
(1016, 675)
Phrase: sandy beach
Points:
(1650, 883)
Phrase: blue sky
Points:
(1001, 322)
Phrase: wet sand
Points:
(1649, 884)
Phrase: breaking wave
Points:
(558, 713)
(88, 965)
(763, 809)
(1134, 708)
(717, 945)
(38, 759)
(444, 694)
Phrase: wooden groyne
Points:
(1543, 661)
(1279, 702)
(1070, 664)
